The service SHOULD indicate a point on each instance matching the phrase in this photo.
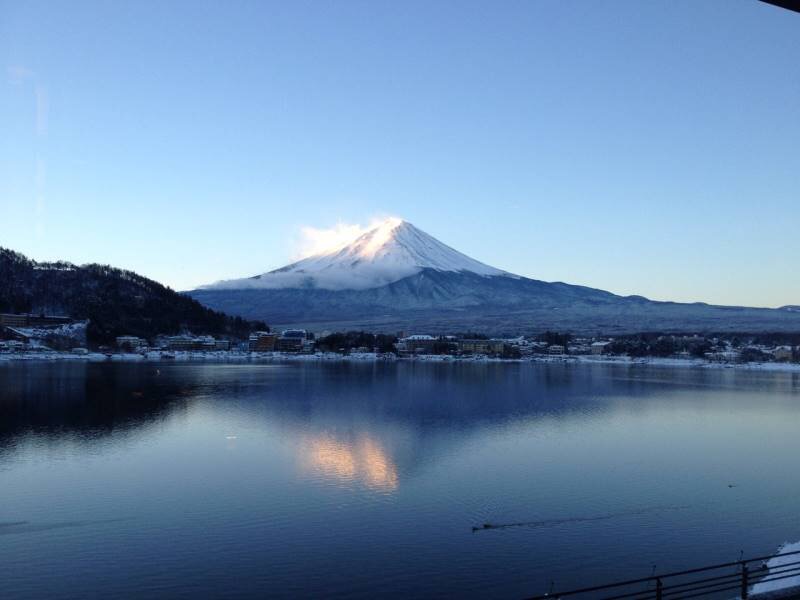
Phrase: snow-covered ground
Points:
(697, 363)
(218, 357)
(237, 356)
(70, 330)
(774, 565)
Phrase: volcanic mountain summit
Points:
(397, 277)
(388, 252)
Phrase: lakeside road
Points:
(267, 357)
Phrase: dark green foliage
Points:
(511, 352)
(631, 347)
(777, 339)
(754, 355)
(386, 343)
(116, 302)
(347, 341)
(663, 346)
(700, 350)
(471, 335)
(554, 337)
(657, 344)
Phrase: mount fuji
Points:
(388, 252)
(397, 277)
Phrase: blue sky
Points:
(640, 147)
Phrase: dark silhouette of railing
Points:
(693, 583)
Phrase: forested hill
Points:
(116, 302)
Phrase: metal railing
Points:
(693, 583)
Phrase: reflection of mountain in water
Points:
(366, 423)
(321, 479)
(85, 402)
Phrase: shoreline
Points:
(224, 357)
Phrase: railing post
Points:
(659, 589)
(745, 581)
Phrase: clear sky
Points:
(640, 147)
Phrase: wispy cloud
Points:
(41, 177)
(42, 109)
(20, 75)
(315, 240)
(17, 74)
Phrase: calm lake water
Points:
(365, 480)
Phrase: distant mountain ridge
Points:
(115, 301)
(397, 277)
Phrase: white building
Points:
(130, 342)
(598, 348)
(416, 344)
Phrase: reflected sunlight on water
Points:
(362, 460)
(232, 480)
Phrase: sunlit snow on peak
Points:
(379, 236)
(385, 252)
(329, 240)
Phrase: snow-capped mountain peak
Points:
(389, 251)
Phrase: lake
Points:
(367, 479)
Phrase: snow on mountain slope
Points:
(388, 252)
(395, 277)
